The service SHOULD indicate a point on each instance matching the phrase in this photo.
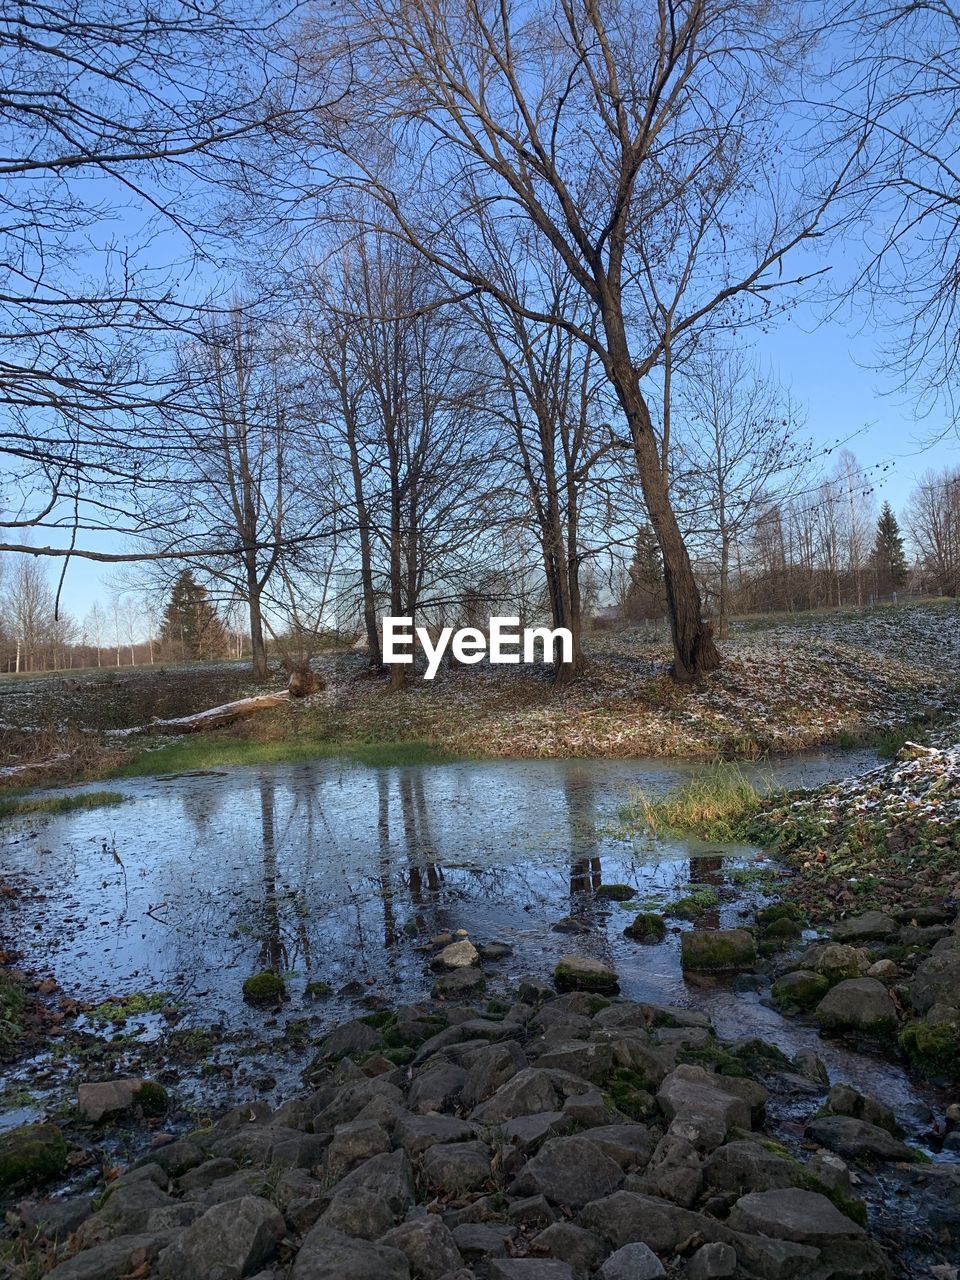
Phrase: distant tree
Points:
(888, 558)
(191, 625)
(645, 595)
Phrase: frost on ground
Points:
(783, 686)
(889, 838)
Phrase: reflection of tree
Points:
(421, 852)
(586, 873)
(274, 953)
(708, 869)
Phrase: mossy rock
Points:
(152, 1099)
(583, 973)
(933, 1049)
(778, 911)
(263, 988)
(717, 949)
(318, 990)
(802, 988)
(616, 892)
(31, 1155)
(779, 934)
(701, 898)
(648, 927)
(625, 1089)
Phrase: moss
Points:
(648, 927)
(31, 1155)
(777, 911)
(617, 892)
(848, 1205)
(626, 1090)
(263, 988)
(715, 1056)
(700, 899)
(400, 1055)
(932, 1050)
(596, 1003)
(318, 990)
(717, 949)
(152, 1099)
(802, 988)
(134, 1005)
(382, 1018)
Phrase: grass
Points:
(207, 751)
(715, 804)
(12, 1003)
(16, 806)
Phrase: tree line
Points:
(437, 308)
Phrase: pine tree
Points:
(191, 624)
(645, 595)
(888, 558)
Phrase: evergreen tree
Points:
(645, 595)
(191, 624)
(888, 558)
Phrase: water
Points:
(339, 872)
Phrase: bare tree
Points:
(625, 138)
(737, 451)
(934, 521)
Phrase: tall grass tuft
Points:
(715, 804)
(15, 806)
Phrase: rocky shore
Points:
(554, 1136)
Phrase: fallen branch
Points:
(38, 766)
(211, 719)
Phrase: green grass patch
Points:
(16, 806)
(715, 804)
(12, 1004)
(208, 751)
(132, 1006)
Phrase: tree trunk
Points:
(724, 602)
(258, 649)
(694, 652)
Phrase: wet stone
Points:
(457, 1167)
(569, 1171)
(429, 1246)
(632, 1262)
(329, 1255)
(229, 1241)
(477, 1240)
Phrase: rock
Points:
(477, 1240)
(388, 1176)
(581, 1248)
(625, 1217)
(804, 1217)
(529, 1269)
(569, 1171)
(807, 1064)
(717, 949)
(747, 1166)
(714, 1261)
(583, 973)
(631, 1145)
(858, 1004)
(528, 1132)
(249, 1182)
(110, 1261)
(204, 1175)
(417, 1134)
(837, 962)
(458, 984)
(674, 1172)
(329, 1255)
(883, 970)
(528, 1092)
(357, 1212)
(648, 928)
(691, 1090)
(632, 1262)
(437, 1088)
(492, 1067)
(457, 1167)
(868, 927)
(353, 1037)
(844, 1100)
(532, 1211)
(532, 990)
(494, 951)
(615, 892)
(31, 1155)
(428, 1245)
(229, 1241)
(801, 987)
(352, 1143)
(57, 1219)
(856, 1139)
(583, 1058)
(127, 1210)
(937, 980)
(457, 955)
(108, 1097)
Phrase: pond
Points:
(336, 872)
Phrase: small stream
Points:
(336, 872)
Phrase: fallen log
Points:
(210, 719)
